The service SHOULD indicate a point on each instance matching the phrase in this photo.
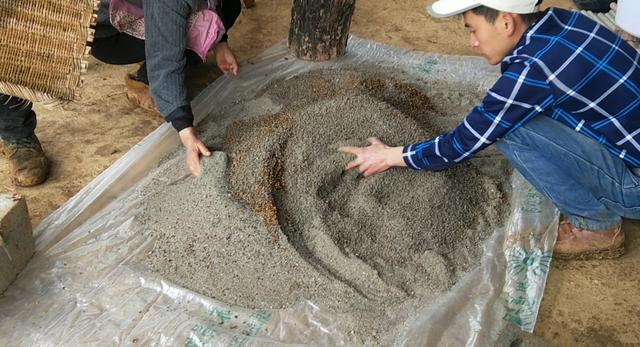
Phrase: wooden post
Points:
(320, 28)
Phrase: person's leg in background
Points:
(590, 186)
(123, 49)
(20, 146)
(594, 5)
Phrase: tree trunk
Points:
(320, 28)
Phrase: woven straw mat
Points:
(42, 46)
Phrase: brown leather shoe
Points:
(577, 243)
(29, 164)
(138, 93)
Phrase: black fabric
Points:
(118, 49)
(17, 119)
(593, 5)
(181, 118)
(229, 11)
(124, 49)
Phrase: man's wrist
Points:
(395, 157)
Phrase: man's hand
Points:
(375, 158)
(225, 59)
(194, 147)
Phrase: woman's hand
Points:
(225, 59)
(194, 148)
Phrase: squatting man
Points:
(565, 113)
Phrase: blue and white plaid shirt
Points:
(567, 67)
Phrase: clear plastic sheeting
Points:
(506, 287)
(83, 286)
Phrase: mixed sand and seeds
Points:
(275, 219)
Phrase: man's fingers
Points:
(364, 166)
(374, 141)
(234, 68)
(350, 150)
(350, 165)
(353, 151)
(370, 171)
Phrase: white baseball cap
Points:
(447, 8)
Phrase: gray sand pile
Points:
(279, 220)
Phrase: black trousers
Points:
(124, 49)
(120, 49)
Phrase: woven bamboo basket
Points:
(43, 46)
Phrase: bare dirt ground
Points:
(586, 303)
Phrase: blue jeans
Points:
(590, 186)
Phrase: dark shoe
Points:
(28, 162)
(593, 5)
(138, 93)
(576, 243)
